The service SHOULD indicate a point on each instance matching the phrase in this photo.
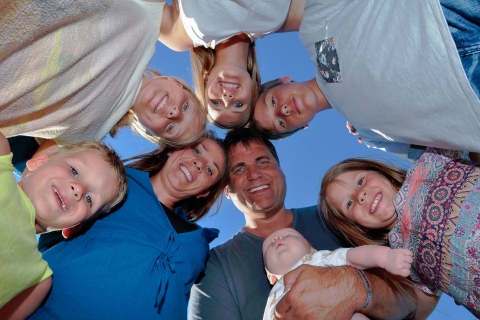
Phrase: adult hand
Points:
(321, 293)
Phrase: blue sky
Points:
(304, 157)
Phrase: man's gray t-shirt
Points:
(235, 285)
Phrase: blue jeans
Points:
(463, 19)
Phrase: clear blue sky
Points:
(304, 157)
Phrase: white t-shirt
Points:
(210, 22)
(391, 67)
(71, 69)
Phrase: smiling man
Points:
(235, 285)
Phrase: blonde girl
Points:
(221, 37)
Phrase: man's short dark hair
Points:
(245, 136)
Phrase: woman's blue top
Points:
(129, 265)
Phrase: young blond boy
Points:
(59, 191)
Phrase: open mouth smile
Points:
(161, 105)
(187, 173)
(262, 187)
(64, 207)
(229, 86)
(375, 203)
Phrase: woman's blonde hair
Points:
(195, 208)
(203, 60)
(129, 119)
(348, 230)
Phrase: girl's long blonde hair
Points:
(348, 230)
(203, 61)
(129, 119)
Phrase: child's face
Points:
(282, 249)
(364, 197)
(229, 94)
(165, 108)
(69, 189)
(286, 107)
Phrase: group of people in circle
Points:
(405, 74)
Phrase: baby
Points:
(73, 185)
(286, 249)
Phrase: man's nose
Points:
(253, 173)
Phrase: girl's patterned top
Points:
(438, 220)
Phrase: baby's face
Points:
(282, 249)
(69, 189)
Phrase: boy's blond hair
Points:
(110, 157)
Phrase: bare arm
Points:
(172, 32)
(395, 261)
(294, 16)
(27, 301)
(4, 146)
(426, 304)
(337, 293)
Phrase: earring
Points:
(29, 169)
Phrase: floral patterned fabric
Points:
(438, 210)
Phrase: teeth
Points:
(375, 202)
(187, 173)
(64, 207)
(161, 104)
(258, 188)
(229, 85)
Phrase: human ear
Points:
(36, 162)
(203, 195)
(227, 192)
(286, 79)
(67, 233)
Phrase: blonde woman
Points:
(75, 72)
(221, 35)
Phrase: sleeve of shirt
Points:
(211, 297)
(401, 150)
